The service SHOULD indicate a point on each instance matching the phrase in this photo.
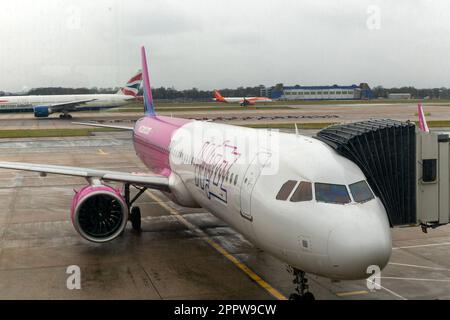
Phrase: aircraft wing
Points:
(56, 107)
(103, 125)
(140, 179)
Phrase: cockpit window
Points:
(361, 191)
(303, 192)
(332, 193)
(286, 190)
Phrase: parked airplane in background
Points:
(296, 198)
(242, 101)
(45, 105)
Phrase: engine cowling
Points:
(99, 213)
(42, 111)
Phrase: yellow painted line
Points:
(249, 272)
(100, 151)
(351, 293)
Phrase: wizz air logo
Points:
(213, 169)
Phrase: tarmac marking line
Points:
(393, 293)
(351, 293)
(249, 272)
(423, 245)
(417, 266)
(103, 153)
(417, 279)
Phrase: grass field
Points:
(165, 106)
(40, 133)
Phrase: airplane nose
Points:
(354, 248)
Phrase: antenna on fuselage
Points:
(296, 129)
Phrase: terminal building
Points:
(334, 92)
(399, 96)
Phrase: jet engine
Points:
(99, 213)
(42, 111)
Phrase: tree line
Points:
(194, 94)
(434, 93)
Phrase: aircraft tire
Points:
(135, 218)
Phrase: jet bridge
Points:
(407, 169)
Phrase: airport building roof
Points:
(354, 86)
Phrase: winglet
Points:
(148, 97)
(423, 126)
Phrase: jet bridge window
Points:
(332, 193)
(361, 191)
(303, 192)
(286, 190)
(429, 169)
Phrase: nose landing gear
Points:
(302, 287)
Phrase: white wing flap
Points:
(70, 104)
(149, 181)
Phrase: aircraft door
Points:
(249, 180)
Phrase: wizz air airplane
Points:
(290, 195)
(45, 105)
(244, 101)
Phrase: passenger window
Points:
(332, 193)
(361, 191)
(286, 190)
(235, 179)
(303, 192)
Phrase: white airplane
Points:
(45, 105)
(295, 198)
(243, 101)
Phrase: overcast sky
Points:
(225, 43)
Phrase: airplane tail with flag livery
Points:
(133, 85)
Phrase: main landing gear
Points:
(135, 212)
(65, 116)
(302, 289)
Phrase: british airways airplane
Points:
(290, 195)
(45, 105)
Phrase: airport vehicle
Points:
(296, 198)
(43, 106)
(243, 101)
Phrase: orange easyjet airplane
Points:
(245, 101)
